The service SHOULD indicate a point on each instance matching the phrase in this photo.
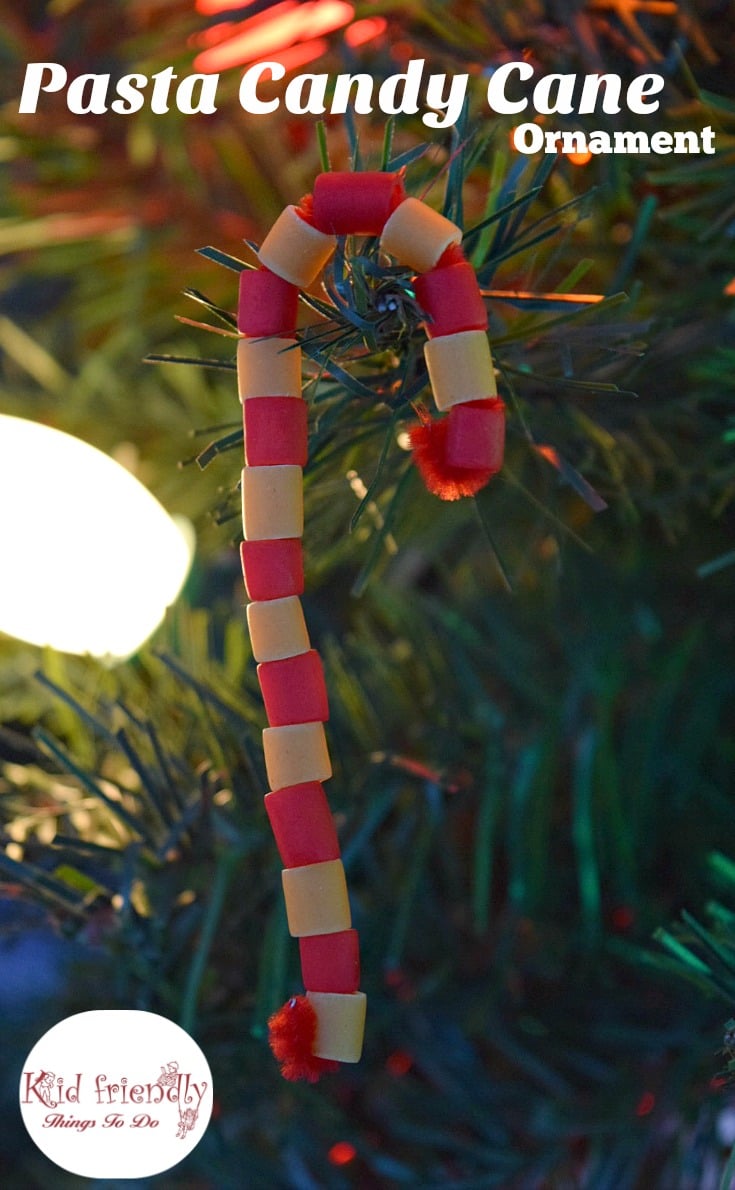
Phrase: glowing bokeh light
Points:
(342, 1153)
(398, 1063)
(645, 1104)
(90, 560)
(368, 29)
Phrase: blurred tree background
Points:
(531, 692)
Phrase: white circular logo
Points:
(116, 1093)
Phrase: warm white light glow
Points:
(89, 560)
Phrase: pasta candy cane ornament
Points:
(456, 455)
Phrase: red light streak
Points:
(301, 53)
(366, 30)
(211, 7)
(287, 23)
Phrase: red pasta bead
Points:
(272, 569)
(276, 432)
(267, 304)
(451, 296)
(331, 962)
(302, 824)
(476, 434)
(294, 690)
(355, 203)
(454, 254)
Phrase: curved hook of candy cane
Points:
(457, 455)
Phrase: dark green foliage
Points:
(531, 693)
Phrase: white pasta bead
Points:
(417, 235)
(340, 1024)
(277, 628)
(296, 754)
(316, 899)
(272, 502)
(295, 250)
(460, 368)
(268, 368)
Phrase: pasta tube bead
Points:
(355, 204)
(296, 754)
(476, 434)
(340, 1025)
(417, 235)
(267, 305)
(460, 368)
(295, 250)
(277, 629)
(331, 962)
(302, 825)
(451, 297)
(273, 569)
(276, 431)
(316, 899)
(268, 367)
(294, 690)
(272, 503)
